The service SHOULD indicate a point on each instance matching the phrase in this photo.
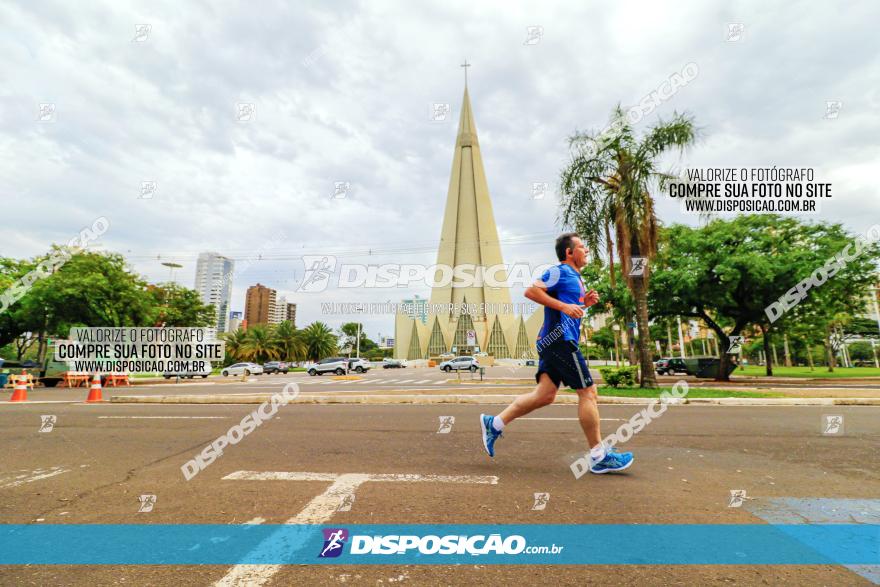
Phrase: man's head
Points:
(570, 249)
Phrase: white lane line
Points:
(440, 382)
(321, 509)
(575, 419)
(163, 417)
(35, 475)
(255, 522)
(45, 401)
(424, 381)
(405, 381)
(380, 477)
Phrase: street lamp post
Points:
(680, 339)
(616, 329)
(171, 267)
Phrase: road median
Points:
(485, 398)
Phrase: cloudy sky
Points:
(342, 92)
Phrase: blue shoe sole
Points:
(603, 471)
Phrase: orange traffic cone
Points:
(95, 390)
(19, 394)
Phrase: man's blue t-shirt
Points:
(565, 284)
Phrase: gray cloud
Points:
(342, 93)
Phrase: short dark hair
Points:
(564, 242)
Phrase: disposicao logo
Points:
(334, 540)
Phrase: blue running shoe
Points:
(490, 435)
(613, 461)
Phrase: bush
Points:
(625, 376)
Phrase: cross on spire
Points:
(465, 65)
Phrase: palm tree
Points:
(319, 340)
(260, 344)
(234, 343)
(289, 341)
(608, 183)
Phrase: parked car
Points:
(242, 369)
(460, 364)
(335, 365)
(187, 374)
(358, 365)
(393, 364)
(275, 367)
(670, 366)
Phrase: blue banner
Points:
(531, 544)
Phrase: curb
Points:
(258, 398)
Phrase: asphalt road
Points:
(98, 459)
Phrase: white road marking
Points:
(322, 508)
(45, 401)
(163, 417)
(386, 477)
(575, 419)
(424, 381)
(35, 475)
(255, 522)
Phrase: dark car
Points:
(671, 366)
(393, 364)
(275, 367)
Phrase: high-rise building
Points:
(279, 311)
(416, 308)
(235, 320)
(291, 313)
(214, 284)
(259, 305)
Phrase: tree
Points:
(176, 305)
(89, 289)
(608, 183)
(290, 342)
(235, 342)
(260, 344)
(348, 337)
(729, 272)
(319, 340)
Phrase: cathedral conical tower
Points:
(468, 238)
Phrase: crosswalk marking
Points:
(371, 381)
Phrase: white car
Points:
(358, 365)
(335, 365)
(242, 369)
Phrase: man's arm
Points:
(538, 294)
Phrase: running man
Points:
(562, 293)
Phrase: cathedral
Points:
(468, 237)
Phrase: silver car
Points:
(460, 364)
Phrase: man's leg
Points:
(588, 414)
(543, 395)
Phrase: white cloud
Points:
(342, 93)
